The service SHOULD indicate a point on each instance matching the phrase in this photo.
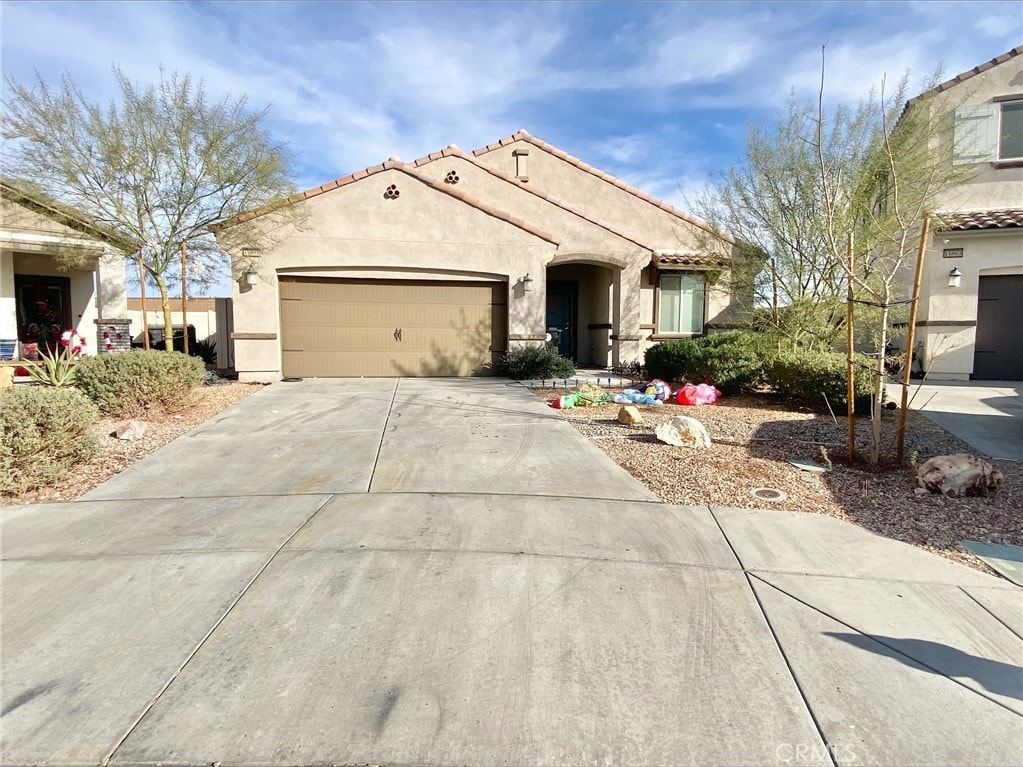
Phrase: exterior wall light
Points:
(527, 283)
(251, 278)
(955, 277)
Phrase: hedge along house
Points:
(438, 266)
(40, 297)
(970, 321)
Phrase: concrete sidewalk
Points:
(987, 415)
(445, 572)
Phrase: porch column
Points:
(8, 311)
(625, 333)
(111, 296)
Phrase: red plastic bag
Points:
(701, 394)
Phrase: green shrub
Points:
(732, 361)
(133, 383)
(44, 433)
(671, 360)
(526, 363)
(805, 376)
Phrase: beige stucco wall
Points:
(632, 216)
(604, 201)
(577, 235)
(990, 186)
(353, 231)
(945, 345)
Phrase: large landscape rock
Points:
(684, 431)
(630, 416)
(958, 475)
(130, 430)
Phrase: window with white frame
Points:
(680, 304)
(989, 132)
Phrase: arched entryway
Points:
(580, 299)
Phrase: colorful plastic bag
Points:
(635, 397)
(701, 394)
(659, 389)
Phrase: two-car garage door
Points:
(342, 328)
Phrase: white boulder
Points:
(683, 431)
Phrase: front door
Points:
(43, 309)
(561, 298)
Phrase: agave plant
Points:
(206, 350)
(57, 368)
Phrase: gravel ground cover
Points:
(115, 455)
(754, 436)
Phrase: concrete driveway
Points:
(443, 572)
(987, 415)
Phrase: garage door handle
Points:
(397, 334)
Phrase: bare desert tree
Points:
(819, 175)
(160, 165)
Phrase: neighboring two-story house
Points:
(970, 320)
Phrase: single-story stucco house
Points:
(39, 297)
(438, 266)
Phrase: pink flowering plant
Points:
(57, 367)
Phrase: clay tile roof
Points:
(965, 221)
(674, 258)
(562, 155)
(475, 202)
(471, 158)
(952, 82)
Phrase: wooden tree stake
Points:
(142, 293)
(184, 299)
(911, 339)
(850, 371)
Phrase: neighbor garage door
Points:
(342, 328)
(998, 355)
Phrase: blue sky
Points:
(658, 94)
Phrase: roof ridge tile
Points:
(561, 154)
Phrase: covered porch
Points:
(592, 309)
(58, 272)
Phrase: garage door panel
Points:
(338, 328)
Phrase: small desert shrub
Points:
(44, 433)
(731, 361)
(133, 383)
(534, 362)
(808, 376)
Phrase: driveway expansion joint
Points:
(989, 612)
(217, 624)
(829, 746)
(887, 646)
(383, 434)
(502, 553)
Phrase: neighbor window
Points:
(1010, 133)
(680, 304)
(989, 132)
